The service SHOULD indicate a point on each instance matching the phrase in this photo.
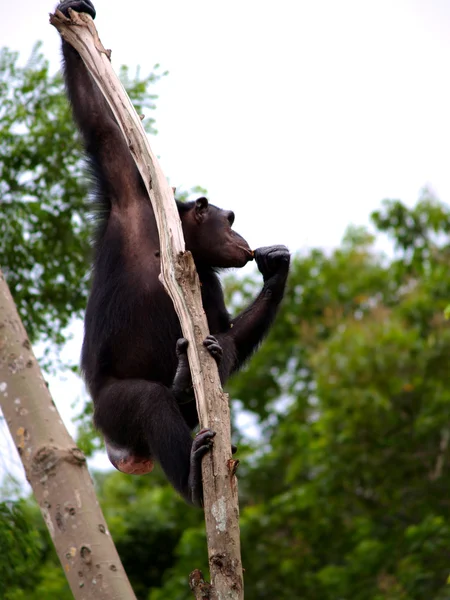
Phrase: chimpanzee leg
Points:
(135, 414)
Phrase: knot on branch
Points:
(47, 458)
(232, 466)
(185, 271)
(86, 554)
(227, 567)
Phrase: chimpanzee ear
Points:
(201, 207)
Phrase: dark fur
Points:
(136, 373)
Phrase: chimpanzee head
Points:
(209, 236)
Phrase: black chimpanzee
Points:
(133, 358)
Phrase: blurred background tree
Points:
(344, 493)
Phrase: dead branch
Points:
(180, 279)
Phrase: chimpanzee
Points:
(133, 358)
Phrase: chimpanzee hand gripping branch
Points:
(134, 359)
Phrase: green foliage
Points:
(360, 455)
(29, 568)
(44, 227)
(19, 545)
(346, 493)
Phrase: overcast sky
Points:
(300, 116)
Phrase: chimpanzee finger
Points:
(213, 347)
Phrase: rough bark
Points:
(55, 468)
(180, 279)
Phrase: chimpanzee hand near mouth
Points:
(272, 260)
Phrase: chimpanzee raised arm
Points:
(134, 358)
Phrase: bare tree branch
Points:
(180, 279)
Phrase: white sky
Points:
(300, 116)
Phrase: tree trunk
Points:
(55, 468)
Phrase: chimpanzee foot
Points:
(182, 346)
(210, 342)
(182, 382)
(200, 446)
(214, 348)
